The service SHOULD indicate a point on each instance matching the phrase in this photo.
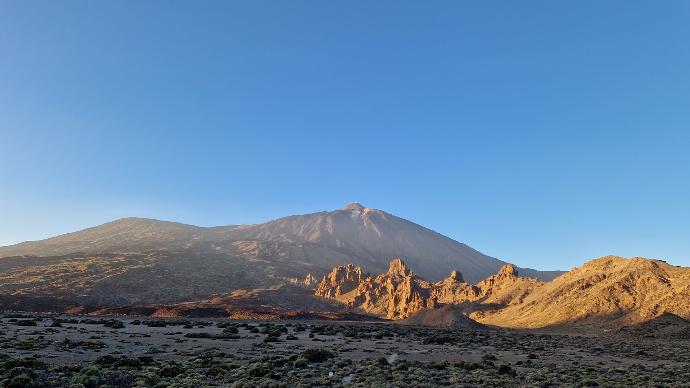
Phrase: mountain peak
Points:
(354, 206)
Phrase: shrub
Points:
(199, 335)
(171, 370)
(506, 370)
(113, 324)
(299, 328)
(17, 315)
(88, 377)
(231, 330)
(258, 369)
(126, 362)
(107, 359)
(155, 323)
(317, 355)
(20, 381)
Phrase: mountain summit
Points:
(354, 206)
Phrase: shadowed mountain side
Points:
(138, 278)
(313, 242)
(281, 302)
(445, 316)
(667, 326)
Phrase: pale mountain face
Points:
(315, 242)
(371, 237)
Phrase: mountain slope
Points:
(313, 242)
(371, 237)
(609, 290)
(121, 236)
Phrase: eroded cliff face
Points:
(399, 293)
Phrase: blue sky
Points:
(543, 133)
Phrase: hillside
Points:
(610, 290)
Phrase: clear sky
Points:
(543, 133)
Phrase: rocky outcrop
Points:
(309, 281)
(342, 280)
(394, 294)
(399, 293)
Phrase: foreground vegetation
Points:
(86, 352)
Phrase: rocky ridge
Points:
(607, 292)
(400, 293)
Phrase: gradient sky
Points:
(543, 133)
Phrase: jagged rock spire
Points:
(456, 276)
(398, 267)
(508, 271)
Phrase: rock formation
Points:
(609, 291)
(444, 316)
(399, 293)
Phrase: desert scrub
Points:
(19, 381)
(87, 377)
(155, 323)
(32, 344)
(317, 355)
(113, 324)
(86, 345)
(26, 322)
(258, 369)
